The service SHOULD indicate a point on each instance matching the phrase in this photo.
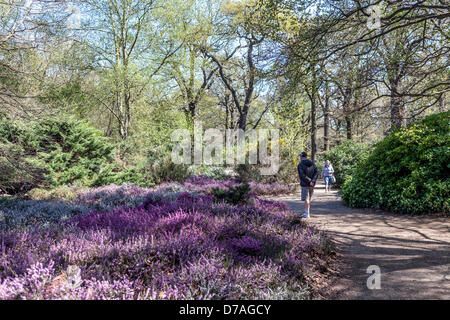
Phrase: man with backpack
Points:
(308, 174)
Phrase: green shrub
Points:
(234, 195)
(63, 152)
(19, 171)
(160, 168)
(53, 153)
(73, 151)
(114, 174)
(216, 173)
(251, 172)
(166, 170)
(407, 172)
(155, 168)
(344, 159)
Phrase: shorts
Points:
(329, 180)
(307, 192)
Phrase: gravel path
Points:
(413, 253)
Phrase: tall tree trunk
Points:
(242, 124)
(346, 109)
(313, 129)
(227, 116)
(121, 114)
(397, 110)
(326, 122)
(231, 117)
(326, 134)
(338, 131)
(108, 131)
(189, 120)
(348, 127)
(124, 112)
(442, 103)
(127, 115)
(249, 91)
(189, 114)
(397, 105)
(126, 94)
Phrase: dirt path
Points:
(413, 253)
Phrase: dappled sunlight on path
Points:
(412, 252)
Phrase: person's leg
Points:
(305, 198)
(308, 202)
(329, 182)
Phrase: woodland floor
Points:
(412, 252)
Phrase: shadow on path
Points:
(412, 252)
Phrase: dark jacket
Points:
(307, 171)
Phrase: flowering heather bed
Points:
(204, 184)
(169, 244)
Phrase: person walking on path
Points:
(308, 174)
(327, 175)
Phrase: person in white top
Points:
(327, 175)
